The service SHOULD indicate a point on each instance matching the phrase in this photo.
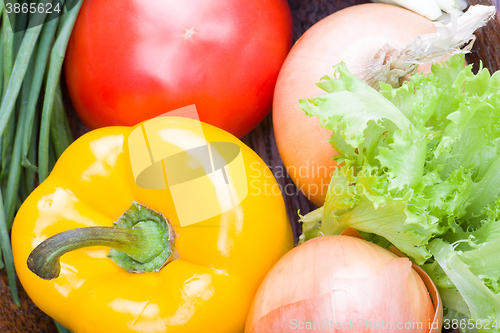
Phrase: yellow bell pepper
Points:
(211, 268)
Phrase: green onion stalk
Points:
(34, 128)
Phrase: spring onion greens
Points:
(56, 60)
(30, 62)
(61, 328)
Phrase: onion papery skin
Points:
(343, 284)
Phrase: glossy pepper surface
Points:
(219, 263)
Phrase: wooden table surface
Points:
(305, 13)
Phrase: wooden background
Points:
(29, 319)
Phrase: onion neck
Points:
(141, 241)
(390, 65)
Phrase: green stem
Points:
(61, 328)
(52, 158)
(56, 61)
(8, 44)
(311, 225)
(22, 194)
(43, 51)
(44, 260)
(18, 73)
(1, 51)
(15, 163)
(19, 31)
(30, 173)
(7, 253)
(59, 127)
(66, 4)
(141, 241)
(8, 138)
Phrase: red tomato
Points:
(130, 60)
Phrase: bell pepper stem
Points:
(141, 241)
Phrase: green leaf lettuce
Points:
(419, 166)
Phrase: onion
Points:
(353, 35)
(363, 36)
(343, 284)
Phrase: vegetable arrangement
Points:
(416, 171)
(212, 268)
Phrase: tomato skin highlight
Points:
(128, 61)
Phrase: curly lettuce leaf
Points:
(483, 304)
(421, 169)
(350, 106)
(413, 149)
